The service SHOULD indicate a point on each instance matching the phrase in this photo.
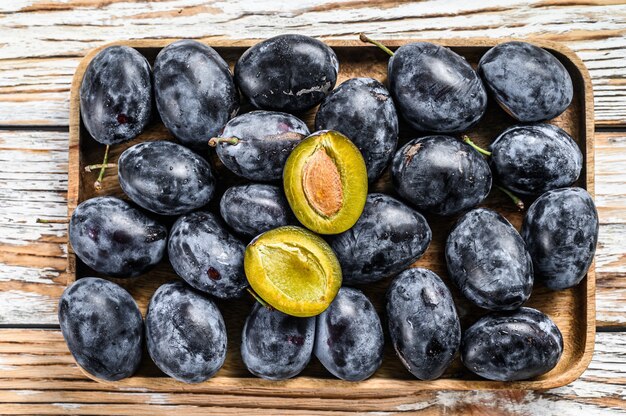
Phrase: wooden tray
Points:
(573, 310)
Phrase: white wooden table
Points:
(41, 43)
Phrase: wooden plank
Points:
(47, 379)
(36, 65)
(33, 256)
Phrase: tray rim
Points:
(373, 387)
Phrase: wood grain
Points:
(41, 41)
(47, 375)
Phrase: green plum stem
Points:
(363, 37)
(476, 147)
(105, 161)
(258, 298)
(516, 200)
(91, 168)
(44, 221)
(229, 140)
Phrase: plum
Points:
(512, 345)
(561, 232)
(255, 208)
(536, 158)
(256, 145)
(388, 237)
(362, 110)
(487, 259)
(435, 89)
(276, 346)
(349, 336)
(102, 327)
(423, 322)
(528, 82)
(441, 175)
(325, 182)
(116, 95)
(293, 270)
(185, 333)
(207, 256)
(165, 178)
(112, 237)
(289, 73)
(195, 91)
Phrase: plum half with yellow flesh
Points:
(293, 270)
(325, 182)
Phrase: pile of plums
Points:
(302, 185)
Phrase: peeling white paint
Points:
(156, 398)
(413, 406)
(67, 406)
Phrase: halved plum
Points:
(293, 270)
(325, 182)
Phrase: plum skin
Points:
(435, 89)
(165, 178)
(265, 140)
(533, 159)
(561, 232)
(195, 92)
(362, 110)
(102, 327)
(487, 259)
(441, 175)
(112, 237)
(276, 346)
(290, 73)
(185, 333)
(512, 345)
(527, 81)
(388, 237)
(349, 338)
(205, 255)
(255, 208)
(423, 323)
(116, 95)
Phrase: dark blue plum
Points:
(435, 89)
(114, 238)
(289, 73)
(362, 110)
(512, 345)
(256, 145)
(349, 336)
(165, 178)
(185, 333)
(116, 95)
(207, 256)
(195, 92)
(441, 175)
(423, 323)
(276, 346)
(528, 82)
(561, 232)
(255, 208)
(102, 327)
(533, 159)
(388, 237)
(487, 259)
